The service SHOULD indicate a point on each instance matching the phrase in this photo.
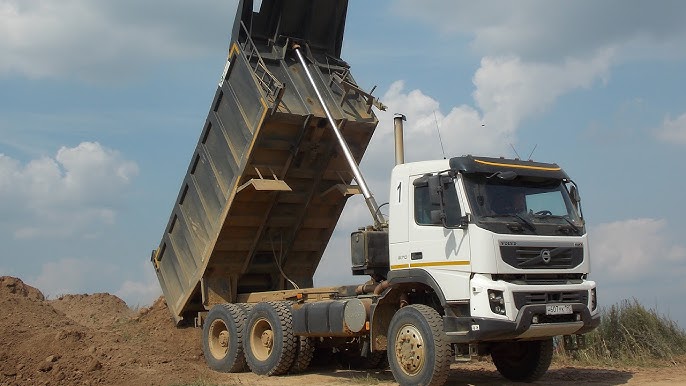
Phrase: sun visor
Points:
(471, 164)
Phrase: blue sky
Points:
(101, 104)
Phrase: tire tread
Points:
(539, 362)
(236, 313)
(304, 355)
(289, 342)
(442, 359)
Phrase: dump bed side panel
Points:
(267, 181)
(216, 165)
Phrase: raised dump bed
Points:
(267, 181)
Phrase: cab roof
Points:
(473, 164)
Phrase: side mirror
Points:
(574, 193)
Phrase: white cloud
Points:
(550, 30)
(507, 91)
(634, 249)
(141, 293)
(421, 134)
(85, 39)
(673, 130)
(90, 275)
(56, 197)
(71, 275)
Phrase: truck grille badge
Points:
(525, 257)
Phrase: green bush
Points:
(631, 334)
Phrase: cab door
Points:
(440, 251)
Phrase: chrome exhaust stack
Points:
(399, 142)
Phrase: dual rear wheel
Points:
(259, 337)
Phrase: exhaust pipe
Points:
(399, 142)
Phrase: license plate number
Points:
(558, 309)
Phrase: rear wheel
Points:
(418, 351)
(523, 361)
(270, 345)
(222, 338)
(304, 354)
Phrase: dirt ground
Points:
(97, 340)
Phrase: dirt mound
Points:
(98, 310)
(38, 344)
(97, 340)
(12, 285)
(91, 339)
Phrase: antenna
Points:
(439, 134)
(515, 150)
(532, 151)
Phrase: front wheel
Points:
(524, 361)
(418, 351)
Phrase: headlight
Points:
(497, 302)
(594, 300)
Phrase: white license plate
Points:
(558, 309)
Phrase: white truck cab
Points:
(500, 241)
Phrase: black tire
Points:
(418, 351)
(222, 338)
(270, 345)
(524, 361)
(303, 355)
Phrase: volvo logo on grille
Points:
(545, 255)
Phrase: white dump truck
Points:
(477, 255)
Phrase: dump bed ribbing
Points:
(267, 181)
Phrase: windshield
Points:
(540, 206)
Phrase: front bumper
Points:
(477, 329)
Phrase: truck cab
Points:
(501, 243)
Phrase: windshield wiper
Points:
(571, 224)
(525, 221)
(521, 219)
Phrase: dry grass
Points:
(630, 334)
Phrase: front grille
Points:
(542, 257)
(522, 299)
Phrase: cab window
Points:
(423, 206)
